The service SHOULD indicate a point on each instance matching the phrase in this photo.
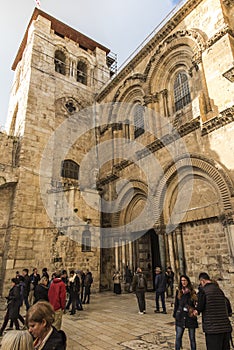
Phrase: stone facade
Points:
(157, 185)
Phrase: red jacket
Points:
(57, 294)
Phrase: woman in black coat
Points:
(185, 301)
(13, 306)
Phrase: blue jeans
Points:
(179, 335)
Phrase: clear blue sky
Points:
(121, 25)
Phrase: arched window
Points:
(60, 62)
(82, 72)
(86, 241)
(181, 91)
(70, 169)
(139, 121)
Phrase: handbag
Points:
(190, 311)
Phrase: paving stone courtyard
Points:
(112, 322)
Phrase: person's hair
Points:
(189, 286)
(40, 311)
(44, 269)
(43, 279)
(17, 340)
(26, 270)
(139, 270)
(204, 276)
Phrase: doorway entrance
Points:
(146, 255)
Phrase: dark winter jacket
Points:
(27, 281)
(88, 280)
(160, 282)
(135, 284)
(212, 304)
(13, 302)
(181, 311)
(56, 341)
(41, 292)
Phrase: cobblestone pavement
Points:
(112, 322)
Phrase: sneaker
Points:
(144, 312)
(156, 311)
(164, 312)
(141, 313)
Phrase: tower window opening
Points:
(82, 72)
(60, 62)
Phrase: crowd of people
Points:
(46, 300)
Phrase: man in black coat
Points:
(160, 288)
(215, 322)
(27, 281)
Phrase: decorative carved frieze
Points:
(228, 3)
(229, 74)
(225, 117)
(109, 178)
(151, 98)
(219, 35)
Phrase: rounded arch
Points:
(192, 39)
(129, 196)
(210, 171)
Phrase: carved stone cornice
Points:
(151, 98)
(109, 178)
(225, 117)
(169, 138)
(219, 35)
(228, 3)
(229, 74)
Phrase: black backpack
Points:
(141, 281)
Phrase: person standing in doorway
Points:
(128, 279)
(139, 287)
(117, 282)
(170, 282)
(160, 288)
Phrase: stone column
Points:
(130, 244)
(123, 257)
(229, 229)
(171, 251)
(162, 249)
(116, 255)
(179, 240)
(151, 102)
(165, 103)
